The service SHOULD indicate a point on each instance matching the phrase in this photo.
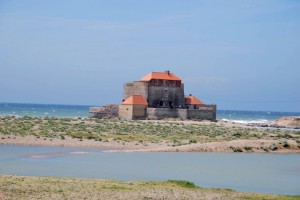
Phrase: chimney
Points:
(167, 72)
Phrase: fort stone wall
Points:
(139, 112)
(135, 88)
(126, 111)
(206, 112)
(161, 113)
(131, 112)
(166, 96)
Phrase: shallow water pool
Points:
(266, 173)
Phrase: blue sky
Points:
(240, 55)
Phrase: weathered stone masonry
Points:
(135, 88)
(183, 114)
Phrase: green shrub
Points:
(238, 135)
(192, 141)
(287, 136)
(248, 148)
(97, 138)
(182, 183)
(273, 147)
(90, 137)
(236, 149)
(265, 148)
(285, 144)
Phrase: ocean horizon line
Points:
(91, 105)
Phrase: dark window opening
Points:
(160, 103)
(156, 82)
(170, 104)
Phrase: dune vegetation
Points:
(22, 187)
(153, 131)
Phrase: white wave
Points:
(257, 121)
(9, 115)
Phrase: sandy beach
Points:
(116, 146)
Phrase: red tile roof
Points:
(191, 100)
(135, 100)
(161, 76)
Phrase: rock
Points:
(264, 125)
(287, 122)
(104, 112)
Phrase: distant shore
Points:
(150, 136)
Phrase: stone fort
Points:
(158, 95)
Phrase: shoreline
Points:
(148, 136)
(257, 146)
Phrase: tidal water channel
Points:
(265, 172)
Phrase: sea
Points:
(81, 111)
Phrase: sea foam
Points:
(257, 121)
